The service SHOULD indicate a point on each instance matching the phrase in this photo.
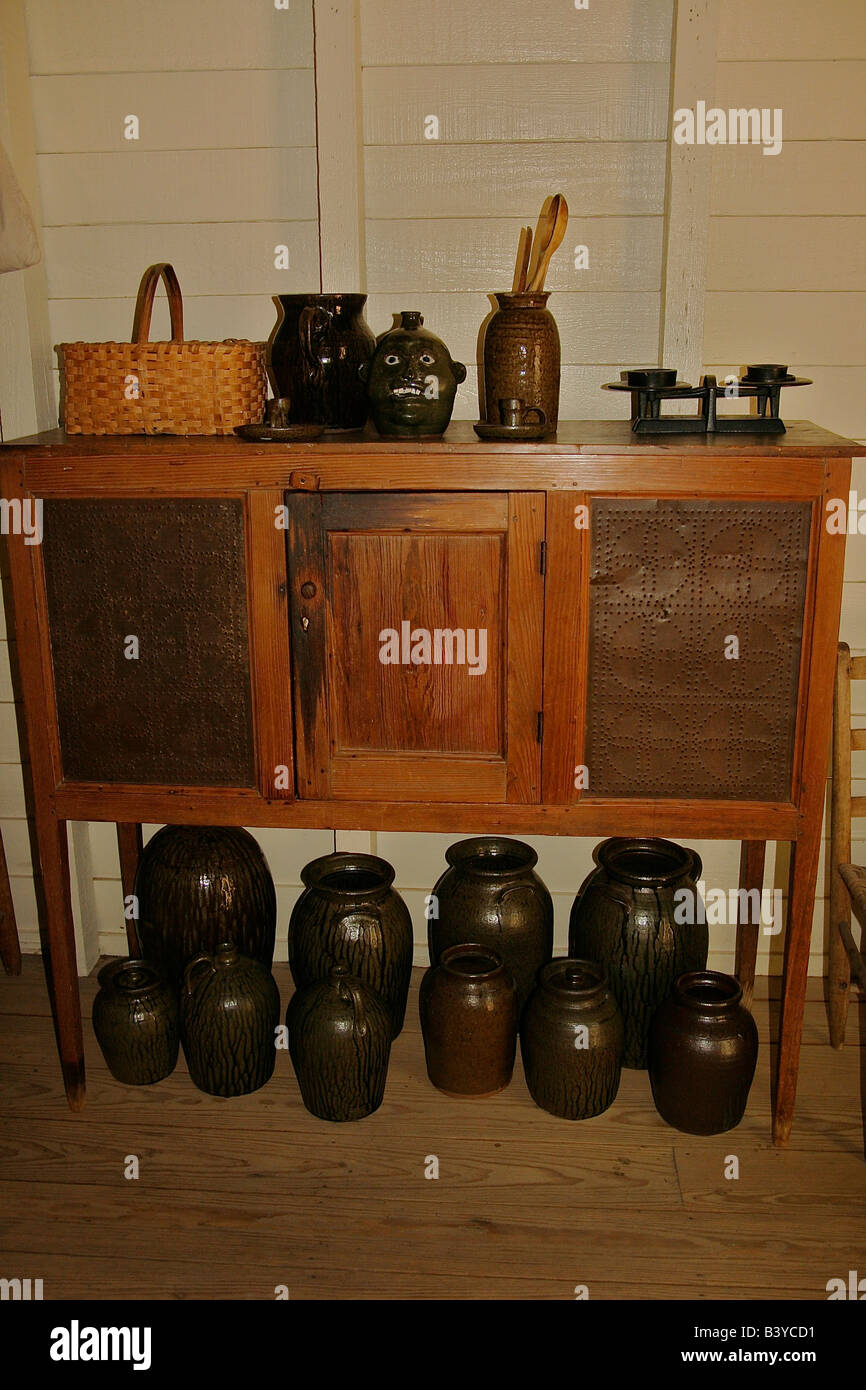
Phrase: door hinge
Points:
(540, 731)
(542, 557)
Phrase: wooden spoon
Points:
(521, 265)
(543, 230)
(559, 216)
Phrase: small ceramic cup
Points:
(513, 413)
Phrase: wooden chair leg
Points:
(129, 845)
(839, 969)
(752, 857)
(61, 965)
(10, 947)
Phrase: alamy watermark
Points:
(441, 646)
(736, 126)
(22, 517)
(718, 907)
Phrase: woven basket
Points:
(161, 388)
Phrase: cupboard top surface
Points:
(573, 439)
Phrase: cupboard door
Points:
(416, 640)
(689, 614)
(147, 609)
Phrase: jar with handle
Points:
(339, 1043)
(350, 914)
(316, 352)
(230, 1008)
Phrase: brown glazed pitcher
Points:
(468, 1007)
(319, 345)
(521, 356)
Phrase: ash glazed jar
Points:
(198, 885)
(468, 1008)
(703, 1049)
(135, 1019)
(412, 380)
(230, 1008)
(624, 918)
(571, 1040)
(521, 355)
(319, 344)
(339, 1043)
(349, 914)
(491, 894)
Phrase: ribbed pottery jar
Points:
(198, 885)
(340, 1042)
(349, 914)
(230, 1008)
(571, 1040)
(491, 894)
(135, 1019)
(521, 355)
(468, 1007)
(624, 918)
(703, 1049)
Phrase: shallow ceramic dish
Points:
(279, 434)
(515, 432)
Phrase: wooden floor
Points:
(238, 1197)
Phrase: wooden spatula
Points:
(521, 265)
(543, 230)
(558, 218)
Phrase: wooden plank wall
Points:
(571, 101)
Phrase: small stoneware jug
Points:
(339, 1043)
(350, 914)
(703, 1048)
(230, 1008)
(135, 1019)
(468, 1007)
(491, 894)
(412, 380)
(571, 1040)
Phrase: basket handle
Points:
(144, 303)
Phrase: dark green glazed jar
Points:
(230, 1008)
(349, 914)
(135, 1019)
(703, 1049)
(632, 916)
(571, 1040)
(491, 895)
(412, 380)
(198, 885)
(340, 1043)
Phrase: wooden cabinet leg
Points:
(752, 856)
(798, 936)
(10, 947)
(61, 965)
(129, 844)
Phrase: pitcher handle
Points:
(201, 959)
(351, 994)
(313, 321)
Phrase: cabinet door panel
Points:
(170, 574)
(410, 613)
(695, 629)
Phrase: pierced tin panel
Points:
(171, 574)
(672, 582)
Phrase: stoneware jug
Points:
(230, 1008)
(640, 915)
(349, 914)
(468, 1007)
(316, 351)
(491, 894)
(198, 885)
(339, 1043)
(571, 1040)
(135, 1019)
(703, 1048)
(412, 380)
(521, 356)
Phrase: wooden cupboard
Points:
(596, 635)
